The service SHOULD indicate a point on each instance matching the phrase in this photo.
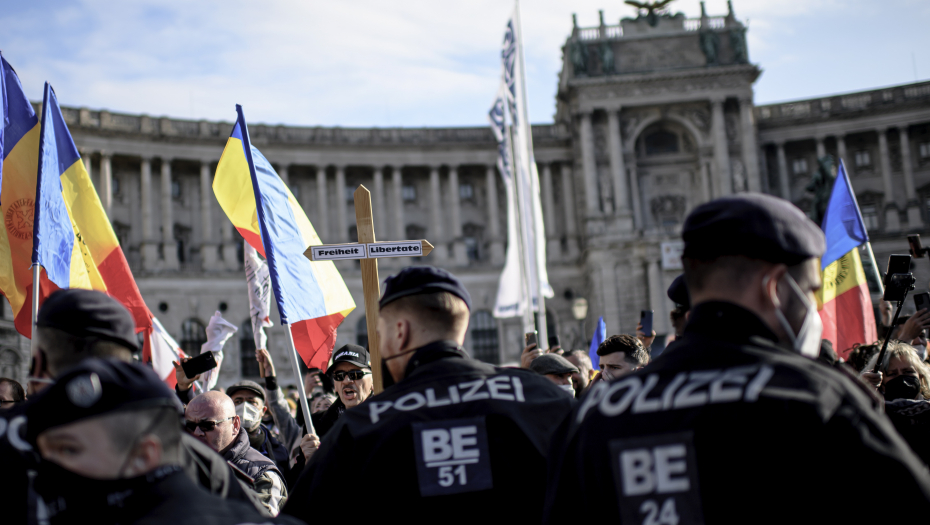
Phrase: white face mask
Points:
(807, 341)
(249, 415)
(568, 389)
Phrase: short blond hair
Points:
(907, 353)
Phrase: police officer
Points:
(678, 293)
(109, 438)
(739, 424)
(452, 440)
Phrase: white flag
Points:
(219, 331)
(164, 350)
(258, 279)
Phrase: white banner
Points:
(258, 279)
(219, 331)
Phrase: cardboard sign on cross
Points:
(368, 251)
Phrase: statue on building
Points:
(709, 45)
(821, 185)
(607, 58)
(738, 45)
(578, 52)
(650, 7)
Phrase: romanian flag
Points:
(312, 297)
(66, 197)
(846, 306)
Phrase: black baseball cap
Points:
(678, 292)
(415, 280)
(352, 354)
(552, 364)
(753, 225)
(89, 314)
(245, 384)
(96, 387)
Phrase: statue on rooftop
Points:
(578, 54)
(650, 8)
(607, 58)
(821, 185)
(738, 45)
(709, 45)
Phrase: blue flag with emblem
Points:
(600, 333)
(842, 224)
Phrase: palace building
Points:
(654, 116)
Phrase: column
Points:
(397, 181)
(705, 181)
(721, 151)
(342, 227)
(377, 201)
(784, 179)
(149, 243)
(617, 168)
(322, 206)
(821, 149)
(749, 147)
(209, 253)
(914, 219)
(841, 153)
(657, 298)
(282, 172)
(568, 206)
(588, 167)
(494, 224)
(892, 218)
(106, 182)
(455, 212)
(553, 246)
(434, 233)
(169, 246)
(637, 202)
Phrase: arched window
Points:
(247, 350)
(193, 336)
(484, 337)
(9, 364)
(660, 142)
(361, 332)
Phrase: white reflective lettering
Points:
(376, 408)
(13, 434)
(411, 401)
(735, 376)
(454, 394)
(431, 400)
(754, 388)
(615, 408)
(593, 397)
(464, 437)
(472, 394)
(687, 397)
(636, 466)
(669, 392)
(669, 461)
(518, 389)
(647, 405)
(496, 385)
(436, 445)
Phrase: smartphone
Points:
(199, 364)
(529, 338)
(645, 319)
(917, 249)
(922, 300)
(897, 264)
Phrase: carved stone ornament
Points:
(667, 207)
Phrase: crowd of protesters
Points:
(723, 425)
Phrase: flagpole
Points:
(878, 276)
(295, 364)
(36, 269)
(534, 178)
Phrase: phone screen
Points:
(645, 319)
(897, 264)
(529, 338)
(922, 301)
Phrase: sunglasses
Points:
(204, 425)
(354, 375)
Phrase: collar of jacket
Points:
(165, 483)
(433, 352)
(239, 447)
(729, 322)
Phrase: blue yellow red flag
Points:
(842, 223)
(311, 296)
(600, 333)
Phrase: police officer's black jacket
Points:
(456, 440)
(731, 428)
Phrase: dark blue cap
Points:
(89, 314)
(415, 280)
(753, 225)
(95, 387)
(352, 354)
(678, 292)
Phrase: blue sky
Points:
(406, 62)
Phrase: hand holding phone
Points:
(645, 320)
(198, 365)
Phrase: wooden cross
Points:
(368, 251)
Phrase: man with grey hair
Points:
(211, 418)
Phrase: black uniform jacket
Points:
(455, 440)
(731, 428)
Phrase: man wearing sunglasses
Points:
(351, 375)
(211, 418)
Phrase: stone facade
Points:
(651, 120)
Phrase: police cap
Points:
(95, 387)
(245, 384)
(753, 225)
(352, 354)
(552, 364)
(678, 292)
(415, 280)
(89, 314)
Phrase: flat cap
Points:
(552, 364)
(753, 225)
(96, 387)
(352, 354)
(89, 314)
(245, 384)
(678, 292)
(415, 280)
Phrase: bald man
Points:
(211, 418)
